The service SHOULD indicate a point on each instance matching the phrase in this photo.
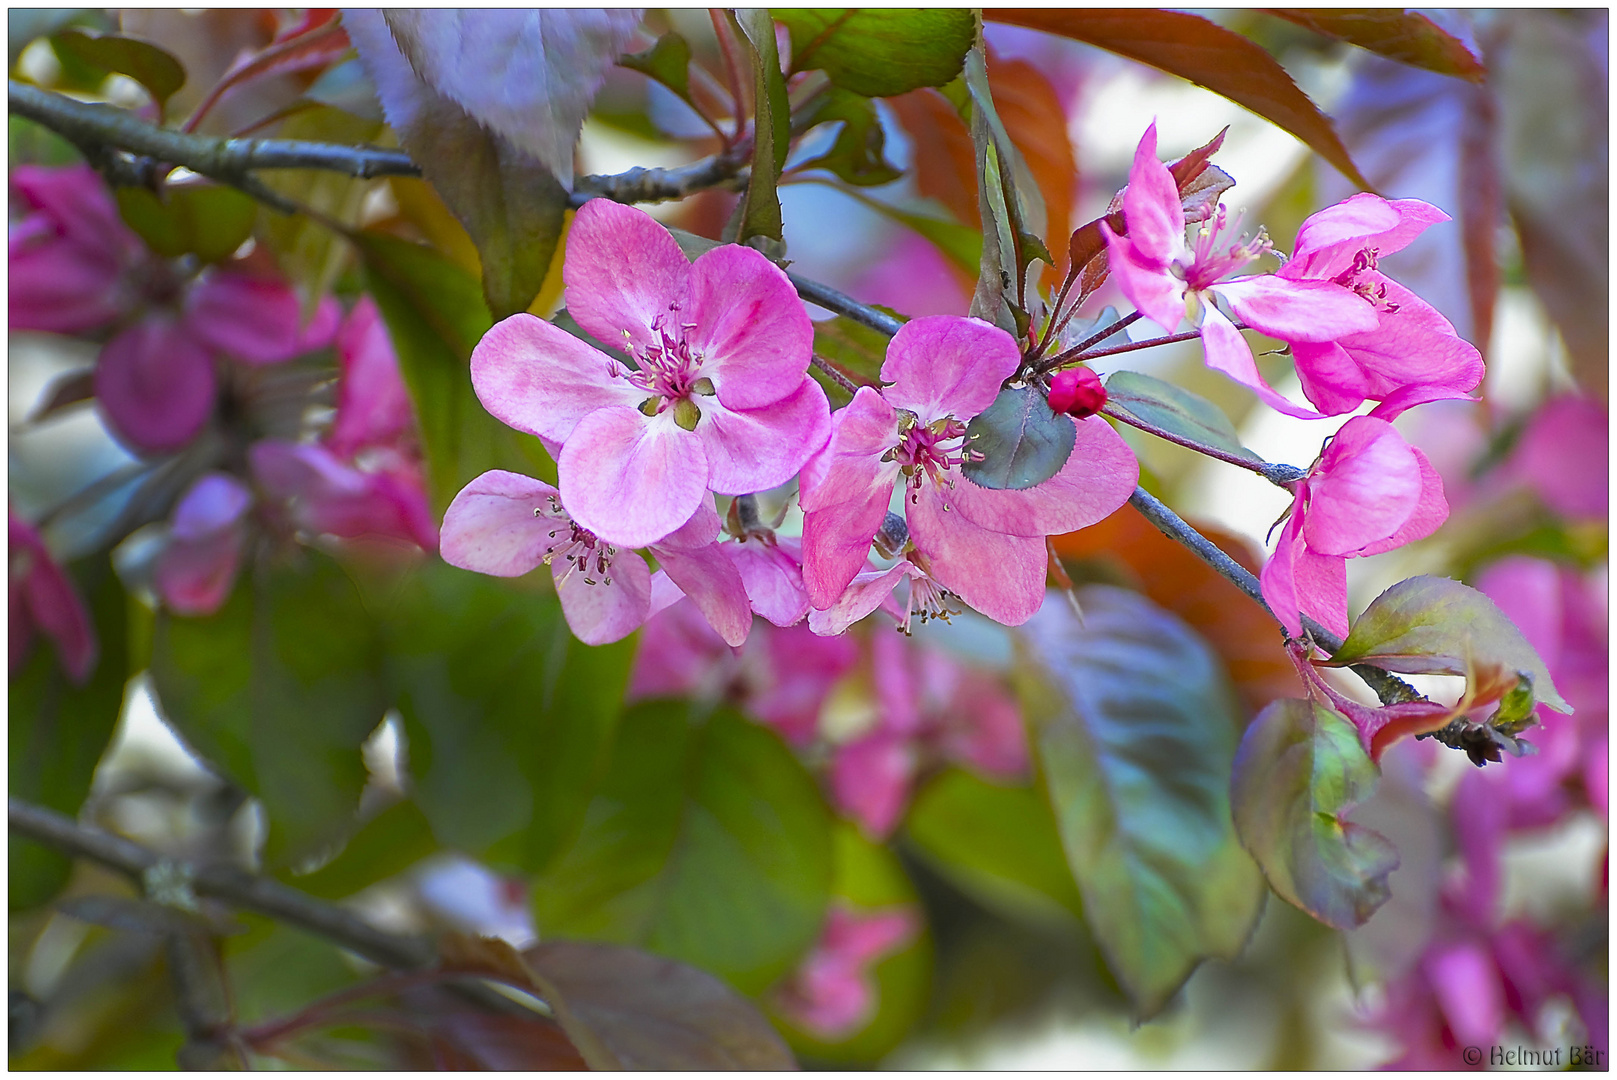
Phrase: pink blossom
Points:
(924, 598)
(984, 546)
(771, 567)
(1562, 455)
(1369, 492)
(75, 267)
(195, 573)
(506, 524)
(832, 993)
(718, 398)
(1168, 279)
(44, 598)
(1413, 354)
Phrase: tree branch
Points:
(843, 304)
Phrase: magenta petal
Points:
(607, 608)
(538, 378)
(1227, 351)
(1000, 575)
(631, 479)
(748, 325)
(42, 595)
(622, 270)
(60, 287)
(255, 320)
(845, 492)
(1367, 484)
(1297, 310)
(1330, 238)
(373, 406)
(1431, 510)
(870, 780)
(863, 595)
(1151, 206)
(710, 579)
(1330, 377)
(664, 595)
(1466, 982)
(155, 384)
(943, 365)
(1297, 580)
(492, 527)
(698, 532)
(756, 449)
(76, 203)
(773, 576)
(1099, 477)
(1565, 430)
(861, 433)
(194, 576)
(1158, 294)
(215, 502)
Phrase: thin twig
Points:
(1279, 475)
(1077, 351)
(1133, 346)
(834, 373)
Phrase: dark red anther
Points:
(1077, 392)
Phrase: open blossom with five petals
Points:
(984, 545)
(1169, 279)
(716, 395)
(1369, 492)
(1412, 355)
(506, 524)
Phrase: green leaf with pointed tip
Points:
(1136, 727)
(707, 842)
(1435, 626)
(1020, 440)
(858, 155)
(1191, 418)
(57, 731)
(154, 68)
(668, 61)
(879, 52)
(278, 689)
(1299, 770)
(772, 128)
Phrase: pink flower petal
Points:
(1328, 241)
(631, 479)
(60, 287)
(538, 378)
(1366, 486)
(42, 595)
(1297, 580)
(756, 449)
(1467, 986)
(1001, 576)
(845, 492)
(155, 384)
(255, 320)
(1562, 455)
(773, 576)
(1151, 206)
(1330, 377)
(870, 780)
(1431, 510)
(373, 406)
(194, 576)
(943, 365)
(1099, 477)
(503, 523)
(1227, 351)
(863, 595)
(1297, 310)
(608, 608)
(622, 271)
(1159, 294)
(214, 503)
(751, 329)
(1396, 404)
(710, 579)
(700, 531)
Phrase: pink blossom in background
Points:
(75, 267)
(771, 568)
(1562, 456)
(506, 524)
(373, 405)
(944, 370)
(914, 277)
(833, 994)
(43, 598)
(195, 573)
(1169, 280)
(720, 399)
(1369, 492)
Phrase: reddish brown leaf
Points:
(1405, 36)
(945, 163)
(1241, 632)
(1201, 52)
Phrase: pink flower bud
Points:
(1077, 392)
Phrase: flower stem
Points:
(1279, 475)
(834, 373)
(1077, 351)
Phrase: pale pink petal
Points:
(845, 493)
(870, 780)
(606, 608)
(1227, 351)
(1297, 310)
(678, 651)
(42, 595)
(1099, 477)
(1278, 579)
(665, 594)
(194, 576)
(622, 271)
(631, 479)
(803, 670)
(773, 576)
(1366, 486)
(408, 510)
(1159, 294)
(155, 384)
(1563, 456)
(944, 365)
(538, 378)
(1001, 576)
(373, 406)
(1431, 510)
(861, 432)
(1330, 377)
(750, 328)
(713, 584)
(256, 320)
(700, 531)
(503, 523)
(1151, 207)
(1400, 402)
(863, 595)
(756, 449)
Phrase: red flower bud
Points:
(1077, 392)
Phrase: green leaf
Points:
(1405, 36)
(668, 61)
(1188, 418)
(771, 128)
(999, 844)
(858, 155)
(1135, 730)
(386, 845)
(1008, 202)
(1434, 626)
(278, 689)
(1022, 442)
(435, 315)
(879, 52)
(209, 221)
(707, 843)
(1299, 770)
(851, 346)
(154, 68)
(509, 718)
(58, 731)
